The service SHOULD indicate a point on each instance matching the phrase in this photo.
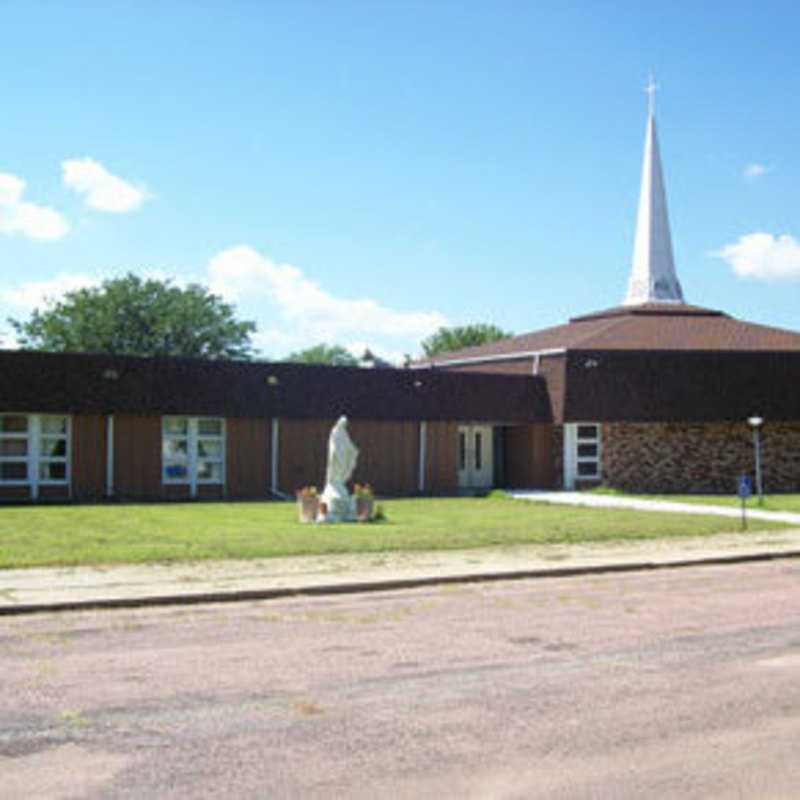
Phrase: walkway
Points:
(617, 501)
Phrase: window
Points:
(193, 450)
(34, 450)
(582, 452)
(587, 460)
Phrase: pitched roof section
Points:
(102, 384)
(650, 326)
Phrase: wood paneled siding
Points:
(248, 443)
(88, 456)
(441, 462)
(529, 456)
(302, 452)
(388, 454)
(137, 457)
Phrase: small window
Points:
(52, 471)
(14, 447)
(587, 431)
(587, 469)
(462, 450)
(14, 424)
(209, 427)
(54, 426)
(587, 450)
(209, 448)
(209, 472)
(176, 426)
(478, 451)
(13, 471)
(53, 448)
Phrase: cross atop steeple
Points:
(653, 278)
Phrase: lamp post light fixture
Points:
(756, 423)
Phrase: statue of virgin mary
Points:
(342, 457)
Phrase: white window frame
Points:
(193, 438)
(572, 458)
(35, 457)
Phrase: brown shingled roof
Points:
(651, 326)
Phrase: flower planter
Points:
(364, 506)
(308, 508)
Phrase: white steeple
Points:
(653, 278)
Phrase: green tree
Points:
(459, 337)
(131, 316)
(335, 355)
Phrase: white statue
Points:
(342, 457)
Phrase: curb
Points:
(390, 584)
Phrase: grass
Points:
(165, 532)
(772, 502)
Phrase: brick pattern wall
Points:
(707, 457)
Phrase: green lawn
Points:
(36, 535)
(772, 502)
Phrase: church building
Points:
(654, 395)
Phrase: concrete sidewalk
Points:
(642, 504)
(50, 589)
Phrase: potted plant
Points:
(307, 503)
(365, 501)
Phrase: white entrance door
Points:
(475, 457)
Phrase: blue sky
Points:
(363, 172)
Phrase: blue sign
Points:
(745, 487)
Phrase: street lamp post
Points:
(755, 423)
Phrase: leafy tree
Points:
(456, 338)
(335, 355)
(131, 316)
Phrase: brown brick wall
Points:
(707, 457)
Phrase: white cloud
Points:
(763, 256)
(8, 341)
(101, 189)
(16, 216)
(315, 314)
(754, 171)
(38, 294)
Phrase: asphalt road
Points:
(681, 683)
